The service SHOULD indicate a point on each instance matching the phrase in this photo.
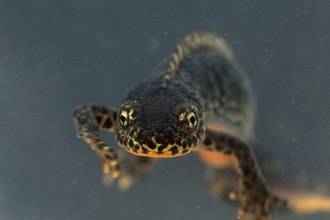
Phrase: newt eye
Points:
(123, 118)
(192, 120)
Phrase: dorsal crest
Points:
(193, 43)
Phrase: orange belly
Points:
(216, 159)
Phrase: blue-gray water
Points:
(55, 55)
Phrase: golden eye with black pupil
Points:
(192, 119)
(123, 118)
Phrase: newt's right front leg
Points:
(88, 120)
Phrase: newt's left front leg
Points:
(254, 192)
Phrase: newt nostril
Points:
(166, 138)
(141, 138)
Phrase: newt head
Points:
(160, 122)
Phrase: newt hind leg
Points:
(89, 119)
(254, 193)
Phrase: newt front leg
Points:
(254, 192)
(89, 119)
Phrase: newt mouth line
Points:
(159, 154)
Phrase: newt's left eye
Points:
(192, 120)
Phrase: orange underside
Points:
(216, 159)
(221, 129)
(166, 154)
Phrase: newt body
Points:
(197, 99)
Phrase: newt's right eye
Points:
(192, 120)
(123, 118)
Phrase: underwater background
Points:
(55, 55)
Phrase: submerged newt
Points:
(198, 99)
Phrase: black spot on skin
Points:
(84, 120)
(140, 133)
(238, 146)
(222, 139)
(159, 140)
(174, 152)
(134, 114)
(184, 144)
(219, 148)
(101, 146)
(189, 142)
(174, 149)
(125, 141)
(104, 111)
(175, 130)
(265, 213)
(144, 150)
(247, 185)
(136, 147)
(111, 150)
(107, 123)
(131, 144)
(243, 157)
(158, 152)
(108, 157)
(246, 171)
(114, 156)
(161, 148)
(227, 152)
(194, 139)
(171, 140)
(92, 127)
(181, 133)
(254, 177)
(262, 191)
(207, 142)
(231, 142)
(98, 119)
(121, 141)
(130, 133)
(262, 203)
(178, 142)
(185, 151)
(151, 145)
(135, 130)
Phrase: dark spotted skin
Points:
(88, 120)
(172, 112)
(254, 192)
